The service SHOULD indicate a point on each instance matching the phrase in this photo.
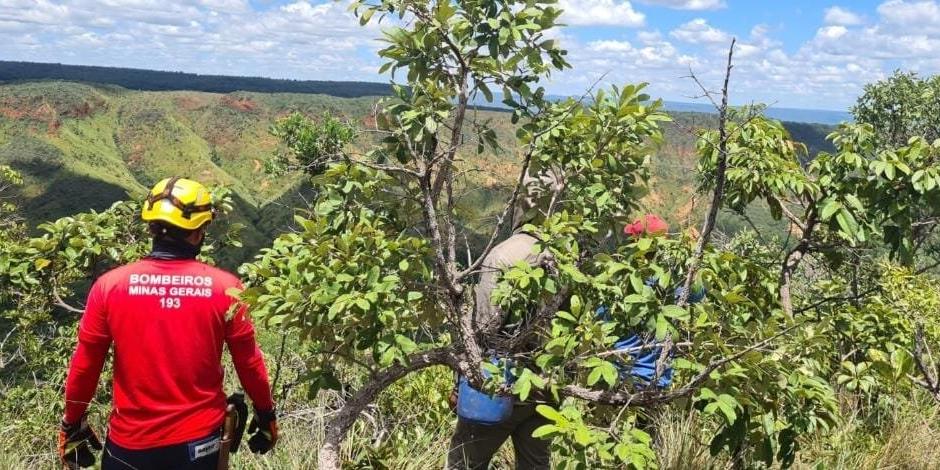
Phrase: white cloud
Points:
(648, 37)
(303, 39)
(320, 39)
(600, 12)
(608, 45)
(910, 14)
(699, 31)
(840, 16)
(826, 72)
(227, 6)
(33, 11)
(832, 32)
(688, 4)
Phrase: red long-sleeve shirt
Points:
(168, 321)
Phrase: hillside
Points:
(83, 146)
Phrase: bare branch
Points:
(791, 216)
(345, 417)
(720, 174)
(838, 298)
(502, 218)
(925, 363)
(793, 258)
(706, 93)
(715, 204)
(511, 203)
(63, 304)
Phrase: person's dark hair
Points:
(162, 231)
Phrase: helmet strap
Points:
(187, 209)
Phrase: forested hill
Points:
(82, 146)
(153, 80)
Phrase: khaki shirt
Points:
(518, 247)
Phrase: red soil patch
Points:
(190, 103)
(137, 155)
(83, 110)
(368, 121)
(52, 128)
(239, 103)
(46, 113)
(43, 112)
(11, 113)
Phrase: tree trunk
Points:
(337, 428)
(792, 261)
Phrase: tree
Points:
(900, 107)
(373, 280)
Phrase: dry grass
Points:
(906, 437)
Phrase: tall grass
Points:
(681, 442)
(906, 435)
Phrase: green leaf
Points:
(550, 413)
(829, 209)
(637, 283)
(855, 202)
(583, 436)
(545, 430)
(662, 327)
(487, 94)
(676, 312)
(366, 16)
(522, 387)
(847, 223)
(575, 305)
(363, 304)
(566, 316)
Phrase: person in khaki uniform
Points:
(473, 444)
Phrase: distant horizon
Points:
(141, 69)
(791, 113)
(782, 113)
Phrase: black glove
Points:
(241, 418)
(75, 443)
(263, 430)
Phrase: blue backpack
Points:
(644, 352)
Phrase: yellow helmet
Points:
(178, 202)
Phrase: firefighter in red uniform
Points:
(168, 317)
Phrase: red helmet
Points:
(649, 224)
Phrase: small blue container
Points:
(481, 408)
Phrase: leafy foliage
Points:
(360, 280)
(900, 107)
(374, 285)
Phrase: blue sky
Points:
(810, 54)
